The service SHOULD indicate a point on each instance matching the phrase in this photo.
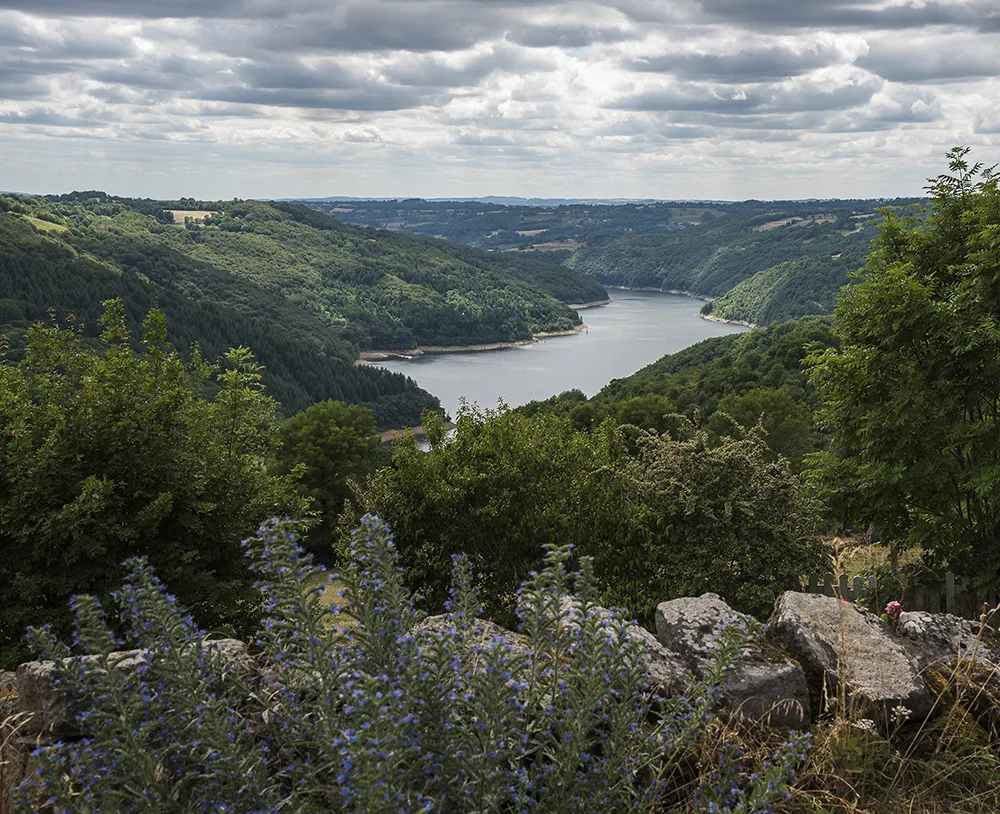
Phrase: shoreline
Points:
(677, 292)
(591, 304)
(391, 436)
(423, 350)
(752, 325)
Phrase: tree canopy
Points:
(912, 395)
(108, 455)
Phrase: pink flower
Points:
(893, 609)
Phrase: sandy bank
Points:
(713, 318)
(592, 304)
(421, 350)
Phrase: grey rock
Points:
(666, 673)
(484, 635)
(773, 693)
(835, 642)
(45, 705)
(771, 688)
(689, 626)
(940, 638)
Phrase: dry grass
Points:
(531, 232)
(194, 214)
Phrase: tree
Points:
(333, 442)
(913, 394)
(673, 518)
(108, 455)
(500, 489)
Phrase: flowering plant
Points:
(892, 611)
(364, 708)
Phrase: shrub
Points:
(365, 710)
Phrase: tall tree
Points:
(913, 393)
(108, 455)
(332, 442)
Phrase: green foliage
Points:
(676, 518)
(106, 456)
(714, 258)
(912, 396)
(728, 384)
(331, 442)
(402, 718)
(305, 357)
(503, 487)
(722, 517)
(793, 289)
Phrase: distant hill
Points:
(301, 289)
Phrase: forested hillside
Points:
(712, 259)
(302, 290)
(727, 384)
(774, 260)
(306, 360)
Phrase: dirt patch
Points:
(532, 232)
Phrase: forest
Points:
(302, 290)
(758, 262)
(143, 478)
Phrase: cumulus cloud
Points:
(464, 97)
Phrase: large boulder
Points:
(940, 638)
(666, 673)
(770, 687)
(841, 647)
(45, 705)
(483, 635)
(689, 626)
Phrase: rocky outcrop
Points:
(770, 688)
(666, 673)
(841, 648)
(482, 636)
(938, 639)
(45, 707)
(689, 626)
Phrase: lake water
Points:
(635, 329)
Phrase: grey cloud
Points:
(756, 64)
(761, 99)
(564, 36)
(868, 14)
(910, 62)
(371, 99)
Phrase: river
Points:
(633, 330)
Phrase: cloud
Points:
(434, 97)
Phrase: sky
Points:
(669, 99)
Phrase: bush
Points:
(109, 455)
(364, 710)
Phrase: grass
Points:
(44, 225)
(194, 214)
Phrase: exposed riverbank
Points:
(743, 322)
(592, 304)
(677, 292)
(421, 350)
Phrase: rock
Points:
(774, 693)
(940, 638)
(833, 641)
(46, 706)
(771, 688)
(485, 634)
(666, 673)
(689, 626)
